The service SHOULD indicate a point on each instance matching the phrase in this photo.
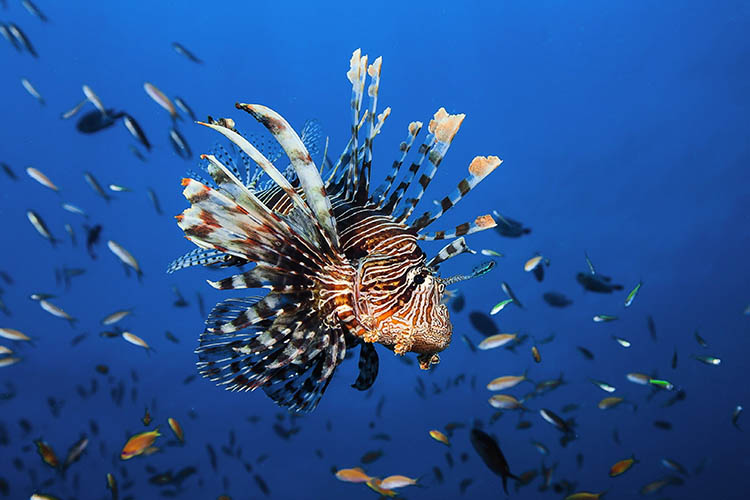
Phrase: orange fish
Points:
(536, 354)
(138, 444)
(374, 485)
(175, 426)
(355, 475)
(47, 454)
(439, 436)
(621, 467)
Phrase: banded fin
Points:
(357, 74)
(263, 276)
(479, 168)
(396, 196)
(452, 249)
(444, 127)
(368, 367)
(202, 257)
(382, 191)
(479, 224)
(307, 172)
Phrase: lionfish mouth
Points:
(339, 260)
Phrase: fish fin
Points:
(456, 247)
(423, 151)
(202, 257)
(479, 168)
(382, 191)
(479, 224)
(368, 367)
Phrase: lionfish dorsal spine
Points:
(381, 193)
(456, 247)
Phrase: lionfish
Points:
(341, 262)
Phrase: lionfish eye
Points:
(418, 279)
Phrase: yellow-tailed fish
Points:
(505, 402)
(531, 264)
(631, 296)
(506, 382)
(41, 178)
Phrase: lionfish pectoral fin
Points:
(450, 250)
(368, 367)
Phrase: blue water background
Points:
(623, 127)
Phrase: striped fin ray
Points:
(356, 75)
(480, 167)
(340, 180)
(452, 249)
(382, 191)
(363, 186)
(202, 257)
(307, 172)
(444, 127)
(396, 196)
(264, 276)
(480, 224)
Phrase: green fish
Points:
(500, 306)
(663, 384)
(631, 296)
(602, 318)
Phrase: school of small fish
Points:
(159, 436)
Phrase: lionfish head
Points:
(421, 323)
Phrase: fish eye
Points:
(418, 279)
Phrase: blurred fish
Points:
(495, 341)
(506, 382)
(11, 334)
(184, 107)
(137, 153)
(180, 49)
(135, 340)
(596, 283)
(47, 453)
(505, 402)
(116, 316)
(674, 359)
(483, 323)
(138, 444)
(585, 495)
(74, 110)
(118, 189)
(124, 256)
(623, 342)
(586, 353)
(4, 350)
(262, 485)
(602, 385)
(508, 227)
(631, 296)
(638, 378)
(708, 360)
(611, 402)
(33, 10)
(8, 361)
(700, 340)
(674, 466)
(176, 428)
(56, 311)
(95, 121)
(31, 90)
(180, 300)
(440, 437)
(8, 36)
(663, 424)
(735, 415)
(92, 238)
(69, 207)
(136, 131)
(541, 448)
(509, 292)
(22, 39)
(622, 467)
(490, 253)
(556, 299)
(146, 419)
(112, 486)
(170, 336)
(8, 171)
(355, 475)
(397, 481)
(564, 426)
(161, 99)
(75, 451)
(91, 180)
(179, 144)
(500, 306)
(40, 226)
(41, 178)
(661, 384)
(371, 456)
(655, 486)
(154, 200)
(603, 318)
(536, 354)
(490, 453)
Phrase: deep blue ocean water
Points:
(624, 133)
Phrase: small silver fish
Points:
(124, 256)
(31, 90)
(71, 233)
(33, 10)
(116, 316)
(74, 209)
(160, 98)
(41, 178)
(94, 99)
(95, 185)
(56, 311)
(180, 49)
(184, 107)
(179, 144)
(74, 110)
(22, 39)
(40, 226)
